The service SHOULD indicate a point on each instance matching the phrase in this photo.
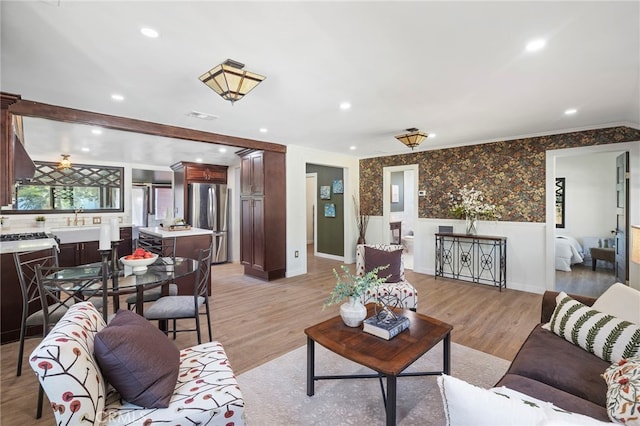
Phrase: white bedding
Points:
(568, 252)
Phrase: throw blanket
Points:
(568, 252)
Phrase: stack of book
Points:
(385, 326)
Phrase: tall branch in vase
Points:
(362, 221)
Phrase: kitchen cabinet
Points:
(182, 243)
(262, 214)
(73, 254)
(185, 173)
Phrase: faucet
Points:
(75, 215)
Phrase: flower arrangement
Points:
(40, 218)
(349, 285)
(469, 203)
(362, 221)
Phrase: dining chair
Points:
(32, 314)
(187, 306)
(166, 248)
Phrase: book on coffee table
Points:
(386, 327)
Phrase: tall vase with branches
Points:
(362, 221)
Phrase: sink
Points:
(76, 234)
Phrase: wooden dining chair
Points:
(187, 306)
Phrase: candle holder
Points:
(105, 280)
(114, 254)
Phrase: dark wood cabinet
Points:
(73, 254)
(262, 211)
(185, 173)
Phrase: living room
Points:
(510, 156)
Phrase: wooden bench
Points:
(607, 254)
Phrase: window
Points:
(92, 188)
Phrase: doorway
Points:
(400, 208)
(590, 209)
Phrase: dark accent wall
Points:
(510, 173)
(397, 178)
(330, 229)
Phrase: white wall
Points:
(297, 158)
(590, 194)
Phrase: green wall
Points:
(511, 173)
(330, 229)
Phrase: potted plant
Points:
(469, 204)
(351, 287)
(40, 221)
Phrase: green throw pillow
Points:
(603, 335)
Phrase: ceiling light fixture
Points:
(535, 45)
(345, 106)
(571, 111)
(230, 81)
(413, 138)
(117, 97)
(149, 32)
(65, 163)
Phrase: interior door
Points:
(622, 219)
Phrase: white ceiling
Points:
(457, 69)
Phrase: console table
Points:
(477, 258)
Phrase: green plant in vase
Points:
(40, 221)
(351, 287)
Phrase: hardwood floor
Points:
(258, 321)
(582, 280)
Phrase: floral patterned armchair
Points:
(206, 391)
(400, 292)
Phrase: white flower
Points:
(469, 203)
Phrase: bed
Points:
(568, 252)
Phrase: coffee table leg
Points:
(310, 365)
(446, 354)
(391, 400)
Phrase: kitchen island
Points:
(181, 243)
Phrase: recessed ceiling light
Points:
(222, 149)
(85, 149)
(345, 106)
(198, 160)
(352, 148)
(535, 45)
(570, 111)
(96, 131)
(263, 130)
(202, 115)
(149, 32)
(431, 135)
(117, 97)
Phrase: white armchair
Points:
(397, 289)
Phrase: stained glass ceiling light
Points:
(230, 81)
(413, 138)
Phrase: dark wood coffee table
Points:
(388, 357)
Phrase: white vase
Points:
(353, 312)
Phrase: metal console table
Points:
(477, 258)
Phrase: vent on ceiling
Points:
(202, 115)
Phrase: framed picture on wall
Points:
(560, 195)
(325, 192)
(338, 188)
(329, 210)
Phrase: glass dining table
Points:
(122, 280)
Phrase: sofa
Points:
(550, 368)
(579, 366)
(130, 373)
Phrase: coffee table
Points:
(388, 357)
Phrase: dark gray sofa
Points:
(549, 368)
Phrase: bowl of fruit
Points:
(139, 260)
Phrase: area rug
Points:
(275, 392)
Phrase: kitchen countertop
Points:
(26, 245)
(158, 231)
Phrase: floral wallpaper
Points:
(510, 174)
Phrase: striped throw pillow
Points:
(603, 335)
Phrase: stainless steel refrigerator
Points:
(208, 208)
